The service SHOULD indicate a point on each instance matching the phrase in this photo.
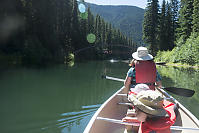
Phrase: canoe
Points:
(186, 122)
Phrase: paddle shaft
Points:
(137, 124)
(118, 121)
(177, 91)
(157, 63)
(112, 78)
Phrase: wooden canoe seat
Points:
(130, 104)
(131, 113)
(122, 94)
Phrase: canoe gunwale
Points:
(119, 93)
(185, 110)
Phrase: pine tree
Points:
(99, 36)
(196, 16)
(162, 28)
(109, 37)
(174, 10)
(96, 28)
(169, 28)
(185, 19)
(150, 25)
(103, 32)
(91, 21)
(109, 34)
(75, 26)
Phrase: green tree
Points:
(150, 25)
(162, 28)
(185, 19)
(109, 34)
(103, 32)
(175, 12)
(75, 26)
(48, 30)
(96, 28)
(196, 16)
(91, 21)
(169, 28)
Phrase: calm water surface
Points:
(62, 99)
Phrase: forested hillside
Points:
(127, 18)
(172, 30)
(37, 32)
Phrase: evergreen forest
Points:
(49, 31)
(127, 18)
(171, 30)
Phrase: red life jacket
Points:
(161, 125)
(146, 73)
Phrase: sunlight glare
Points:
(82, 8)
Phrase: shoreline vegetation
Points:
(170, 64)
(176, 43)
(185, 35)
(172, 37)
(47, 32)
(185, 54)
(182, 65)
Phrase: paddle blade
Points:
(180, 91)
(160, 63)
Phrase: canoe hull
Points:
(111, 109)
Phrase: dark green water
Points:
(62, 99)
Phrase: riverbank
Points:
(182, 65)
(171, 64)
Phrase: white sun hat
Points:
(142, 54)
(141, 87)
(138, 88)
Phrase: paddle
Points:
(174, 90)
(137, 124)
(180, 91)
(118, 121)
(160, 63)
(157, 63)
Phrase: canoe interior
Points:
(183, 119)
(111, 109)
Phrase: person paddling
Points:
(155, 113)
(143, 70)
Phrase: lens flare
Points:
(82, 8)
(91, 38)
(84, 15)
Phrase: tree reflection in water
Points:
(184, 78)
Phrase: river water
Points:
(62, 99)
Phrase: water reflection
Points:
(71, 117)
(183, 78)
(54, 99)
(63, 99)
(69, 120)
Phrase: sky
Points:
(138, 3)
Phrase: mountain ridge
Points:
(126, 18)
